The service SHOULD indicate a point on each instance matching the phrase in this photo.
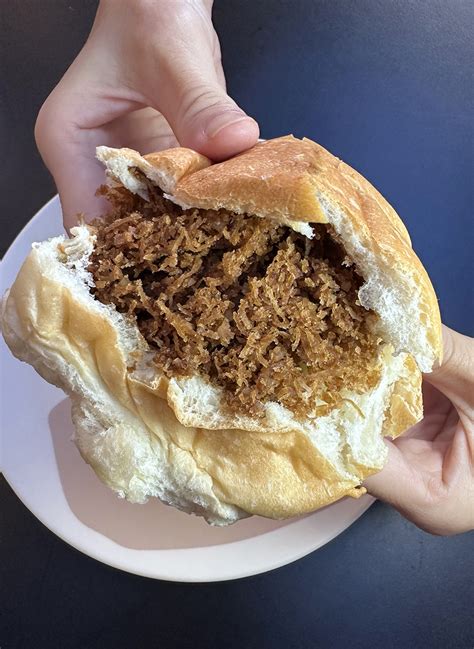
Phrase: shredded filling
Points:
(250, 305)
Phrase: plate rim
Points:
(280, 563)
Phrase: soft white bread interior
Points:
(145, 435)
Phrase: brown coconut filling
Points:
(250, 305)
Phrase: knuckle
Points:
(203, 99)
(195, 98)
(52, 126)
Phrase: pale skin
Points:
(429, 476)
(149, 77)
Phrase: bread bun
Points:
(146, 434)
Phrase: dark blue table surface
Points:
(388, 87)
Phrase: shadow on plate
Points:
(152, 526)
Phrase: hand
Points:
(429, 476)
(148, 77)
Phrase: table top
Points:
(387, 87)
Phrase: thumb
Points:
(214, 125)
(201, 114)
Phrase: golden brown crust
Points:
(271, 475)
(164, 168)
(273, 179)
(178, 163)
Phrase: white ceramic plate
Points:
(47, 473)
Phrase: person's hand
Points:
(148, 77)
(429, 476)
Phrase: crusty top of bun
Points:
(298, 183)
